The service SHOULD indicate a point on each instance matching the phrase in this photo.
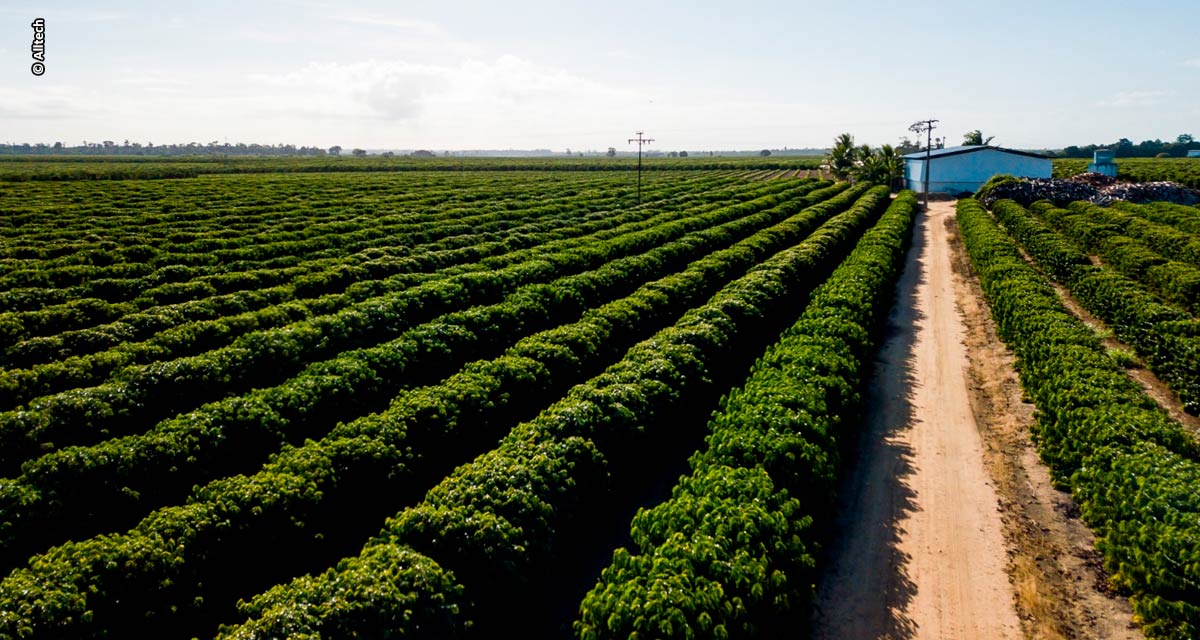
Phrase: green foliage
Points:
(1143, 255)
(975, 139)
(1126, 148)
(841, 157)
(141, 395)
(494, 521)
(198, 547)
(1164, 336)
(1131, 468)
(884, 166)
(63, 168)
(1125, 358)
(1185, 171)
(219, 438)
(992, 183)
(732, 553)
(414, 244)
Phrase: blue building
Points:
(958, 170)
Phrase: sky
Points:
(586, 75)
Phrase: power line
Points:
(640, 140)
(926, 127)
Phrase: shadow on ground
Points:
(864, 589)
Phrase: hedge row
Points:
(79, 490)
(356, 277)
(496, 523)
(1132, 469)
(1165, 336)
(1172, 242)
(144, 394)
(1103, 232)
(23, 168)
(141, 285)
(732, 553)
(1180, 217)
(207, 242)
(308, 296)
(173, 284)
(116, 577)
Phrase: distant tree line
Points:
(218, 149)
(1125, 148)
(127, 148)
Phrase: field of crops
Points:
(428, 403)
(1185, 171)
(57, 168)
(1132, 469)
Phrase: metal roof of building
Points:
(954, 151)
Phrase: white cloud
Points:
(388, 89)
(1194, 62)
(406, 37)
(430, 49)
(474, 90)
(399, 96)
(149, 79)
(48, 103)
(621, 54)
(72, 14)
(382, 36)
(419, 27)
(1135, 99)
(273, 36)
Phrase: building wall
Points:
(914, 171)
(946, 186)
(968, 171)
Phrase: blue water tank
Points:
(1102, 162)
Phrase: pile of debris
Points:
(1095, 179)
(1143, 192)
(1028, 191)
(1092, 187)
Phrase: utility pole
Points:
(926, 127)
(640, 141)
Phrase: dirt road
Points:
(919, 551)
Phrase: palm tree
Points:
(882, 166)
(866, 169)
(891, 166)
(975, 139)
(863, 153)
(840, 160)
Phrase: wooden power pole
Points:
(926, 127)
(640, 140)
